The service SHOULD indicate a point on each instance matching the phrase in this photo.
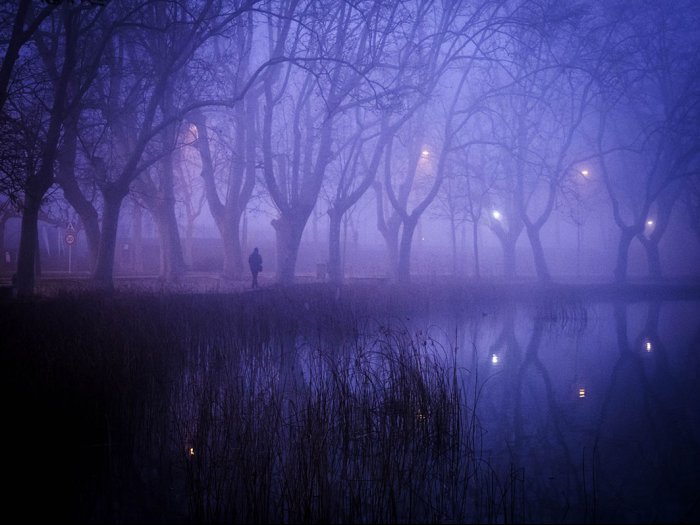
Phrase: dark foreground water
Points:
(597, 404)
(306, 408)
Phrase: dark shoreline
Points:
(436, 288)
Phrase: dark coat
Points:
(255, 261)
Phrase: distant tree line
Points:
(492, 113)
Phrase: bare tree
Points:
(655, 110)
(331, 59)
(144, 63)
(231, 134)
(19, 23)
(66, 43)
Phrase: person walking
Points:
(255, 263)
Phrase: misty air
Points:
(334, 261)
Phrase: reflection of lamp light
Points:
(496, 215)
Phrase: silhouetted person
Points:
(255, 263)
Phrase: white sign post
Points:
(70, 241)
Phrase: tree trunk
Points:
(103, 276)
(623, 246)
(288, 233)
(653, 258)
(88, 216)
(172, 263)
(233, 252)
(28, 246)
(335, 272)
(538, 255)
(403, 270)
(509, 263)
(475, 243)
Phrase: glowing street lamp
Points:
(425, 153)
(585, 173)
(496, 215)
(649, 226)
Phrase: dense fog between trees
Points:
(550, 138)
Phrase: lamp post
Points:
(585, 174)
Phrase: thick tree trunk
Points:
(172, 265)
(288, 233)
(538, 255)
(233, 252)
(28, 247)
(88, 216)
(403, 270)
(103, 276)
(623, 246)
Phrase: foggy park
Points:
(350, 261)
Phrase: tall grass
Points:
(277, 406)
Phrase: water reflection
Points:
(544, 410)
(599, 413)
(566, 413)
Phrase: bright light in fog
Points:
(647, 346)
(496, 215)
(425, 153)
(584, 173)
(581, 392)
(650, 223)
(494, 359)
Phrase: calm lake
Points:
(597, 405)
(586, 412)
(203, 409)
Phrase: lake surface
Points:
(283, 407)
(595, 405)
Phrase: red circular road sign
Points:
(70, 238)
